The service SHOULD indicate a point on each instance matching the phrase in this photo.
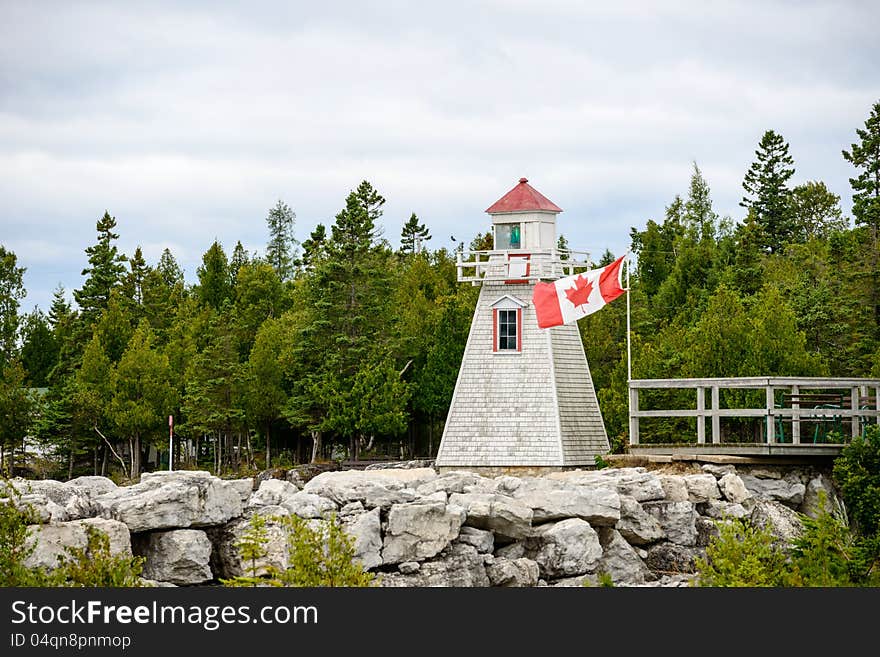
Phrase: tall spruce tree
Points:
(280, 251)
(239, 259)
(413, 236)
(314, 248)
(105, 271)
(766, 190)
(215, 283)
(39, 350)
(865, 156)
(11, 293)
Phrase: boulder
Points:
(178, 556)
(307, 505)
(419, 531)
(374, 488)
(677, 520)
(52, 540)
(365, 529)
(226, 561)
(818, 487)
(720, 509)
(453, 482)
(515, 550)
(644, 486)
(244, 487)
(619, 560)
(706, 531)
(513, 572)
(565, 548)
(502, 515)
(790, 493)
(93, 485)
(60, 501)
(171, 500)
(556, 500)
(781, 520)
(483, 541)
(718, 471)
(674, 488)
(459, 565)
(733, 489)
(272, 492)
(636, 525)
(668, 558)
(702, 487)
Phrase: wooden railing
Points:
(819, 401)
(520, 264)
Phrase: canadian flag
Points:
(568, 299)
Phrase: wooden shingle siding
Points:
(532, 407)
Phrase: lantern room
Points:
(524, 219)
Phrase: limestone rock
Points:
(226, 561)
(373, 488)
(482, 540)
(674, 488)
(677, 520)
(636, 525)
(451, 482)
(419, 531)
(565, 548)
(61, 501)
(718, 471)
(171, 500)
(720, 509)
(702, 487)
(365, 529)
(619, 560)
(782, 521)
(51, 540)
(733, 489)
(272, 492)
(178, 556)
(511, 551)
(244, 487)
(706, 531)
(555, 500)
(644, 486)
(821, 486)
(513, 573)
(459, 565)
(780, 490)
(668, 558)
(93, 485)
(500, 514)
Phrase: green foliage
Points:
(215, 281)
(94, 565)
(857, 473)
(865, 157)
(413, 236)
(11, 293)
(14, 545)
(104, 273)
(741, 556)
(767, 193)
(39, 348)
(280, 249)
(320, 553)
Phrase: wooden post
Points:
(633, 418)
(854, 404)
(771, 437)
(796, 419)
(716, 419)
(701, 419)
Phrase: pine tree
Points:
(239, 259)
(105, 270)
(767, 194)
(39, 350)
(215, 283)
(11, 292)
(171, 272)
(699, 216)
(281, 249)
(815, 212)
(413, 235)
(314, 248)
(263, 395)
(865, 156)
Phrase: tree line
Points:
(342, 347)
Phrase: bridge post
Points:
(701, 418)
(771, 402)
(633, 417)
(716, 418)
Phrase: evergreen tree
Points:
(767, 193)
(280, 251)
(699, 217)
(215, 283)
(11, 293)
(17, 407)
(413, 236)
(143, 395)
(39, 350)
(168, 268)
(314, 248)
(815, 212)
(239, 259)
(865, 157)
(105, 270)
(263, 394)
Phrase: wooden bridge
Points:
(795, 416)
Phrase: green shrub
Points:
(14, 545)
(741, 555)
(94, 565)
(857, 474)
(317, 555)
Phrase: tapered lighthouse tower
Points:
(524, 399)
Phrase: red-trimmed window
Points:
(507, 330)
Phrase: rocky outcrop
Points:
(414, 527)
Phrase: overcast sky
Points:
(188, 121)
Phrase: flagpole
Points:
(628, 340)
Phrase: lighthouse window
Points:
(507, 236)
(508, 338)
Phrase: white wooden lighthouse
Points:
(524, 399)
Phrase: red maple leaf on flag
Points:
(580, 293)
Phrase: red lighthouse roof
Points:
(523, 198)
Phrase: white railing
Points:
(789, 404)
(519, 264)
